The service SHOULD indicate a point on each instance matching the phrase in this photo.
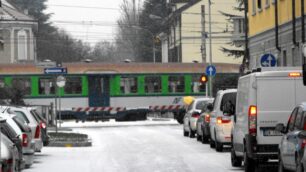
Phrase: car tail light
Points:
(221, 120)
(253, 120)
(207, 118)
(43, 125)
(295, 74)
(37, 132)
(9, 166)
(303, 145)
(195, 115)
(25, 140)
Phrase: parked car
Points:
(265, 98)
(9, 154)
(203, 131)
(43, 125)
(15, 147)
(24, 114)
(192, 115)
(24, 134)
(291, 147)
(220, 121)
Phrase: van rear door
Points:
(275, 101)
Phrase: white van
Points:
(220, 122)
(264, 99)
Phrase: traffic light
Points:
(203, 79)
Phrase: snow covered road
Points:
(134, 149)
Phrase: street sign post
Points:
(56, 70)
(211, 70)
(268, 60)
(60, 82)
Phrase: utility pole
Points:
(203, 46)
(210, 47)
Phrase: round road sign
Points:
(60, 81)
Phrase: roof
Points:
(180, 10)
(9, 13)
(120, 68)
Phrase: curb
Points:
(68, 144)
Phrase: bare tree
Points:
(127, 38)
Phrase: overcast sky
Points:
(97, 22)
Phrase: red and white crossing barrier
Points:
(98, 109)
(167, 107)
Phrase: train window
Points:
(46, 86)
(128, 85)
(196, 85)
(22, 83)
(176, 84)
(153, 84)
(73, 85)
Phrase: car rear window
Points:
(21, 115)
(35, 116)
(228, 97)
(8, 131)
(20, 124)
(200, 104)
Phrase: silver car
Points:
(25, 136)
(192, 115)
(9, 154)
(24, 114)
(292, 146)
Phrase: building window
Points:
(24, 84)
(254, 7)
(46, 86)
(196, 85)
(259, 4)
(73, 85)
(22, 45)
(176, 84)
(128, 85)
(267, 3)
(152, 84)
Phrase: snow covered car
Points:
(9, 154)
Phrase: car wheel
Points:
(191, 134)
(199, 137)
(249, 164)
(236, 161)
(204, 138)
(212, 143)
(219, 146)
(186, 133)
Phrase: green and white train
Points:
(127, 88)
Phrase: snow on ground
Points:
(161, 148)
(113, 123)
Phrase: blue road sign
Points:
(56, 70)
(268, 60)
(211, 70)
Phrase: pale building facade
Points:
(182, 40)
(17, 38)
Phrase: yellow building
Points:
(182, 40)
(275, 28)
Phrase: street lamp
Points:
(153, 41)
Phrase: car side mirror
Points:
(210, 107)
(280, 128)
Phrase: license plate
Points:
(271, 132)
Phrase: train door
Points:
(99, 91)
